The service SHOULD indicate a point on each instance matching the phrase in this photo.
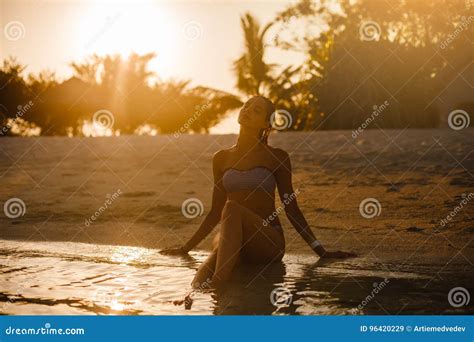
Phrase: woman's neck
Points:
(248, 139)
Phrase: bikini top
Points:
(257, 178)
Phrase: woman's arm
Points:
(211, 220)
(293, 212)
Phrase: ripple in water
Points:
(75, 278)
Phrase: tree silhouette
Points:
(14, 90)
(347, 74)
(412, 57)
(124, 87)
(250, 68)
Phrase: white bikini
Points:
(257, 178)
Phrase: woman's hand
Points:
(337, 255)
(174, 251)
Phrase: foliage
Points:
(124, 87)
(347, 73)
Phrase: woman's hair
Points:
(264, 133)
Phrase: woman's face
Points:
(254, 113)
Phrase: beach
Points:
(87, 199)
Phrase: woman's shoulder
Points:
(278, 153)
(221, 155)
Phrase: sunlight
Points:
(127, 254)
(146, 129)
(122, 28)
(95, 129)
(116, 305)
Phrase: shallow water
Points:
(76, 278)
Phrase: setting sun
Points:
(125, 27)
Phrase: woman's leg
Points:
(206, 270)
(244, 234)
(230, 242)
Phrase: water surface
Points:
(75, 278)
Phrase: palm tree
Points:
(250, 69)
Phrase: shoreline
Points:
(414, 174)
(75, 278)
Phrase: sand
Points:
(418, 176)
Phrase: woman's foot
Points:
(187, 301)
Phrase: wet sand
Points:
(418, 176)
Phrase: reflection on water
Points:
(129, 254)
(74, 278)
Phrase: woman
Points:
(243, 200)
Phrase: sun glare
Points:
(122, 28)
(127, 254)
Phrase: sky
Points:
(195, 40)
